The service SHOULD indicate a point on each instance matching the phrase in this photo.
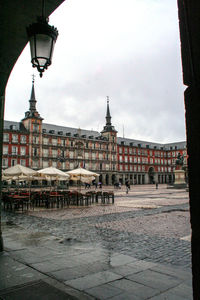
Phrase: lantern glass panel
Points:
(43, 46)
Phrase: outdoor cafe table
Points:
(17, 201)
(55, 198)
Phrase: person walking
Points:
(127, 186)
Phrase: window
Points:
(13, 162)
(35, 140)
(45, 164)
(139, 160)
(14, 138)
(35, 164)
(54, 164)
(5, 150)
(100, 156)
(4, 162)
(23, 139)
(71, 165)
(14, 150)
(71, 154)
(45, 152)
(54, 142)
(93, 155)
(23, 150)
(54, 153)
(126, 159)
(86, 155)
(120, 149)
(35, 151)
(130, 159)
(45, 141)
(6, 137)
(35, 127)
(23, 162)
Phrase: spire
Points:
(32, 100)
(108, 116)
(108, 127)
(32, 112)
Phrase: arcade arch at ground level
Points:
(111, 178)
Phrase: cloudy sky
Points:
(128, 50)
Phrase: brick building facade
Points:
(37, 145)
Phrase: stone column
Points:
(109, 179)
(146, 178)
(123, 179)
(103, 179)
(192, 105)
(2, 101)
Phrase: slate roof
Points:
(151, 145)
(92, 134)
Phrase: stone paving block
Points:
(142, 265)
(17, 278)
(126, 270)
(125, 296)
(10, 268)
(92, 280)
(35, 291)
(104, 291)
(121, 259)
(79, 271)
(46, 266)
(169, 296)
(182, 290)
(140, 290)
(173, 270)
(63, 262)
(28, 256)
(92, 256)
(155, 280)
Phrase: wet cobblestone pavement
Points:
(136, 249)
(146, 224)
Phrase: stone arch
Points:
(151, 174)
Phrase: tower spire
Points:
(108, 127)
(32, 100)
(32, 112)
(108, 116)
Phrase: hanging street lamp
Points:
(42, 38)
